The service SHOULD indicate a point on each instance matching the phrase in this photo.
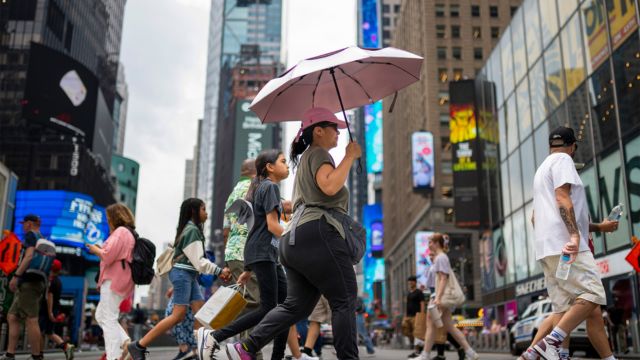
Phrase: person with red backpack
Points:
(115, 281)
(29, 284)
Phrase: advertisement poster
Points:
(422, 160)
(423, 263)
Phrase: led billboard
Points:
(422, 161)
(423, 263)
(69, 219)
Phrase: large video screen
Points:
(422, 160)
(60, 92)
(69, 219)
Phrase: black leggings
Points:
(273, 291)
(319, 263)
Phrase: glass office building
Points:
(573, 63)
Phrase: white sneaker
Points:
(306, 357)
(425, 356)
(207, 344)
(548, 348)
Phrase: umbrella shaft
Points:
(335, 83)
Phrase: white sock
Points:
(610, 357)
(470, 352)
(558, 333)
(564, 351)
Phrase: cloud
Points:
(164, 51)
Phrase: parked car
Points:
(326, 331)
(524, 330)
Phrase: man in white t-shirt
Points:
(562, 227)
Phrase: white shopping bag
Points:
(221, 308)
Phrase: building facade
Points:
(453, 37)
(577, 64)
(243, 54)
(127, 173)
(56, 109)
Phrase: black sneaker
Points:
(136, 353)
(461, 354)
(413, 355)
(184, 355)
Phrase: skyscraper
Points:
(243, 54)
(59, 69)
(454, 38)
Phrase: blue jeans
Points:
(185, 287)
(362, 331)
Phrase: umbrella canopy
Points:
(339, 80)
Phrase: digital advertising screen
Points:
(422, 160)
(69, 219)
(373, 137)
(60, 92)
(423, 263)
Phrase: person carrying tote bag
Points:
(445, 284)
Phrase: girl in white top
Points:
(439, 245)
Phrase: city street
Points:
(381, 354)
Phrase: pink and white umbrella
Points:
(339, 80)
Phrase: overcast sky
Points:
(164, 51)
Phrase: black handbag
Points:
(354, 233)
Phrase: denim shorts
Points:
(185, 287)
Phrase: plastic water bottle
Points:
(562, 272)
(616, 212)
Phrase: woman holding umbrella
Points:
(318, 262)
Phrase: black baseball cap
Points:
(30, 217)
(562, 136)
(412, 278)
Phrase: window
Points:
(538, 108)
(511, 117)
(477, 32)
(457, 74)
(120, 167)
(626, 65)
(528, 168)
(513, 10)
(495, 32)
(440, 10)
(440, 31)
(454, 10)
(556, 92)
(443, 97)
(520, 245)
(68, 36)
(574, 65)
(122, 198)
(455, 31)
(443, 77)
(442, 53)
(386, 8)
(22, 10)
(477, 53)
(445, 145)
(446, 166)
(475, 10)
(524, 109)
(456, 52)
(518, 45)
(396, 8)
(386, 34)
(444, 119)
(55, 20)
(532, 30)
(632, 150)
(493, 11)
(549, 20)
(612, 193)
(386, 21)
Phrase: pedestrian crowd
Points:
(295, 262)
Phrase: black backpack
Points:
(144, 255)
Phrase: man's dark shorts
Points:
(26, 303)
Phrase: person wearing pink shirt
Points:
(115, 282)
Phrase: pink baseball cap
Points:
(317, 115)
